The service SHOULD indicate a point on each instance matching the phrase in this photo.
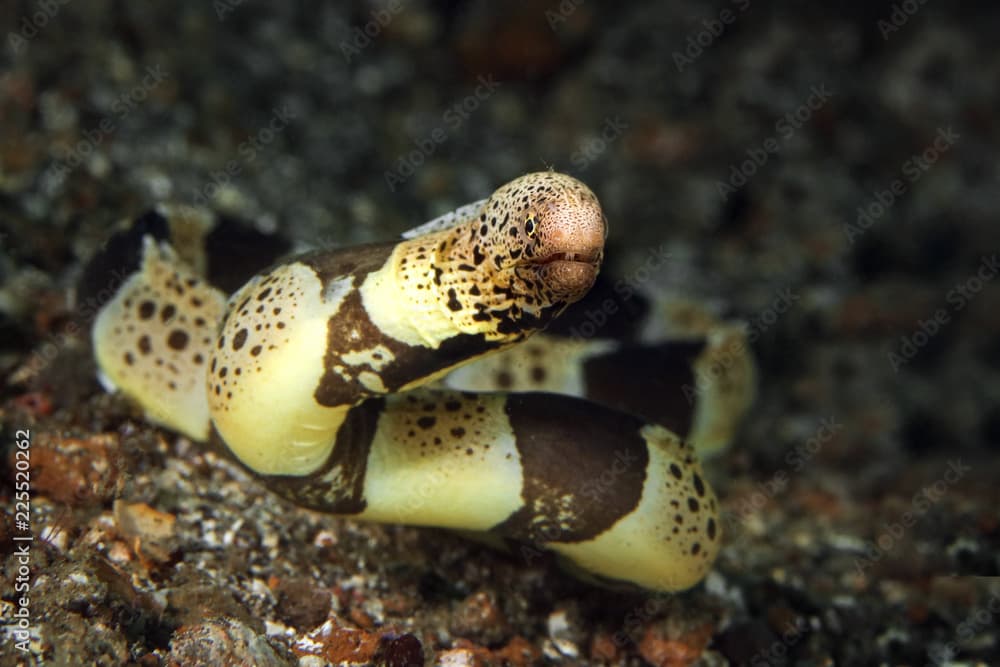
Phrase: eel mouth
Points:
(592, 257)
(568, 275)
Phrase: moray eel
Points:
(699, 384)
(313, 375)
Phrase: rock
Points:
(459, 657)
(341, 645)
(663, 646)
(562, 633)
(603, 647)
(77, 471)
(403, 651)
(222, 641)
(302, 603)
(190, 603)
(150, 531)
(479, 618)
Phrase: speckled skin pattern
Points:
(312, 382)
(155, 338)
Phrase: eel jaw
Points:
(568, 275)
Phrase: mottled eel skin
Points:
(309, 373)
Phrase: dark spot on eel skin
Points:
(453, 302)
(675, 470)
(240, 338)
(458, 432)
(693, 504)
(177, 340)
(426, 422)
(452, 406)
(699, 486)
(146, 310)
(145, 346)
(549, 430)
(168, 312)
(711, 529)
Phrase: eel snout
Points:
(571, 234)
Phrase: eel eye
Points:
(529, 225)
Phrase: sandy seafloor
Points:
(829, 175)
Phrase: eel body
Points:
(334, 377)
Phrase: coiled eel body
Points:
(313, 375)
